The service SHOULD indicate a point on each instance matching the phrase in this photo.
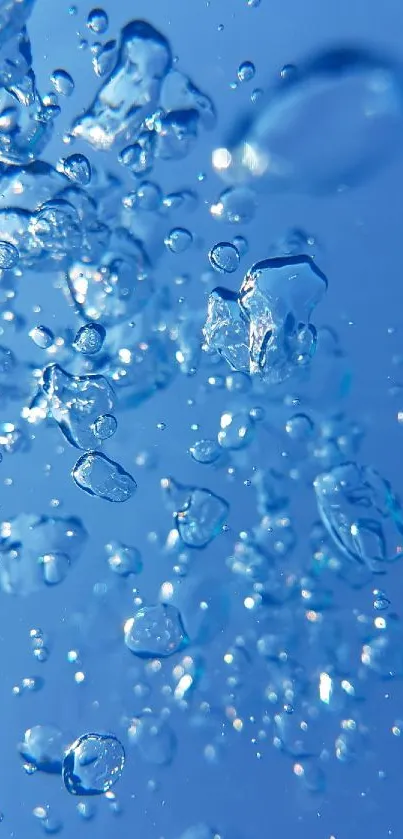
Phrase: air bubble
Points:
(9, 256)
(101, 477)
(246, 71)
(62, 82)
(178, 240)
(224, 258)
(78, 169)
(97, 21)
(42, 337)
(155, 632)
(89, 338)
(93, 764)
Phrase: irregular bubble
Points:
(104, 59)
(55, 227)
(77, 168)
(131, 91)
(29, 684)
(105, 426)
(28, 127)
(177, 134)
(180, 94)
(93, 764)
(237, 430)
(76, 402)
(55, 567)
(43, 748)
(225, 330)
(236, 205)
(62, 82)
(178, 240)
(246, 71)
(200, 517)
(241, 245)
(270, 316)
(154, 739)
(116, 287)
(89, 338)
(9, 256)
(294, 141)
(381, 601)
(155, 631)
(26, 539)
(98, 21)
(361, 513)
(123, 559)
(382, 651)
(13, 16)
(99, 476)
(224, 258)
(205, 451)
(42, 337)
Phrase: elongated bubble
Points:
(333, 122)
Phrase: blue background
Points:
(359, 245)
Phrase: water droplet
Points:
(62, 82)
(78, 169)
(93, 764)
(9, 256)
(96, 474)
(43, 748)
(97, 21)
(224, 258)
(155, 631)
(178, 240)
(42, 337)
(89, 338)
(246, 71)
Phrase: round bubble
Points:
(178, 240)
(78, 169)
(246, 71)
(62, 82)
(93, 764)
(97, 21)
(224, 258)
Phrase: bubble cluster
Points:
(239, 595)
